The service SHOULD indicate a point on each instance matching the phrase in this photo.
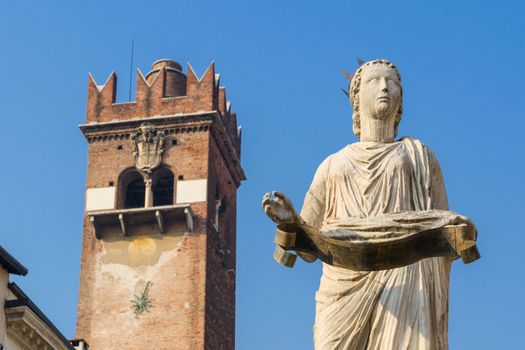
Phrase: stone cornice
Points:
(30, 331)
(226, 149)
(171, 124)
(120, 129)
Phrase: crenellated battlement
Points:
(165, 90)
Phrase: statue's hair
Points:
(355, 86)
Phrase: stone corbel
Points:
(96, 228)
(189, 218)
(122, 221)
(160, 220)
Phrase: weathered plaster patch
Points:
(138, 250)
(126, 265)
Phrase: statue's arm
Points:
(438, 196)
(314, 205)
(280, 209)
(438, 193)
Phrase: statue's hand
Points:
(280, 209)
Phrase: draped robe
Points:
(399, 309)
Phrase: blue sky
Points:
(463, 75)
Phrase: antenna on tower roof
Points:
(131, 66)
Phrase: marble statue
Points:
(377, 215)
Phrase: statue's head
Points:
(375, 90)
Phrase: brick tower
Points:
(158, 252)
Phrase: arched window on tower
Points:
(131, 189)
(163, 186)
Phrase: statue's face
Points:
(380, 91)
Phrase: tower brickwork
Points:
(159, 233)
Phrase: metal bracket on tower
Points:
(96, 229)
(160, 220)
(189, 218)
(122, 224)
